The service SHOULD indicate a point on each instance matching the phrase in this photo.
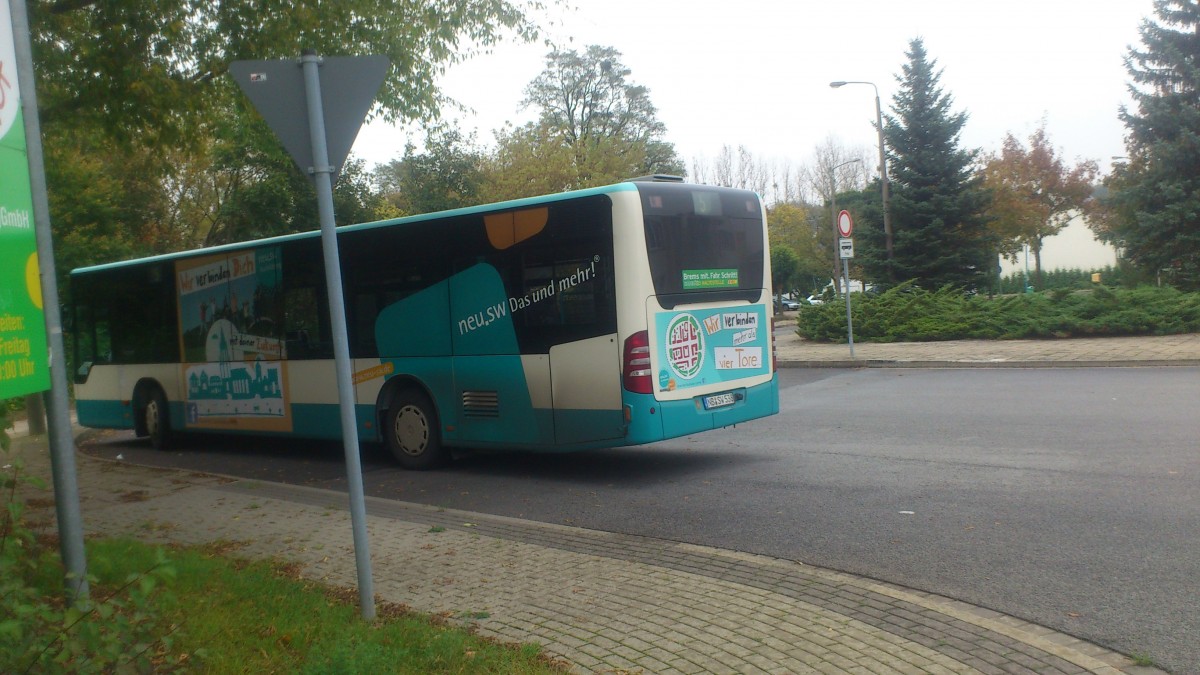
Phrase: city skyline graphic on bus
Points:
(229, 307)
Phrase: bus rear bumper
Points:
(651, 420)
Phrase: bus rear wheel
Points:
(412, 432)
(157, 421)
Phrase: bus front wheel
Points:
(412, 432)
(156, 419)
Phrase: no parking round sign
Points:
(845, 224)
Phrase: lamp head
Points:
(837, 84)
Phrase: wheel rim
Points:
(152, 422)
(412, 431)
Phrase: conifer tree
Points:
(1157, 194)
(937, 202)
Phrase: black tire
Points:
(413, 434)
(157, 420)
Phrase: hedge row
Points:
(1076, 278)
(910, 314)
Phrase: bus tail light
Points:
(636, 375)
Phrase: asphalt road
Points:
(1067, 497)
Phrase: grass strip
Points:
(228, 615)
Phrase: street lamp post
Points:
(883, 177)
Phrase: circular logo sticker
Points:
(685, 346)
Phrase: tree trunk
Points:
(1037, 263)
(35, 411)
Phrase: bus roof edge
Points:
(656, 178)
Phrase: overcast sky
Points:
(757, 72)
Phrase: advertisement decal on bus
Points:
(703, 347)
(229, 329)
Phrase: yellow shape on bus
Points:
(506, 229)
(381, 370)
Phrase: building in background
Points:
(1075, 247)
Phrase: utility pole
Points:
(883, 177)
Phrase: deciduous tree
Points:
(152, 69)
(448, 174)
(133, 96)
(776, 180)
(785, 265)
(836, 170)
(530, 160)
(1034, 193)
(798, 228)
(592, 115)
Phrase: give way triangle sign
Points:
(348, 87)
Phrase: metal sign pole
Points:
(322, 175)
(62, 444)
(845, 227)
(849, 321)
(320, 142)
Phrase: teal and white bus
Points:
(612, 316)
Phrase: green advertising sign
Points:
(24, 357)
(719, 278)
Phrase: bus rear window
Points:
(703, 245)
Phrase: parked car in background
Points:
(789, 304)
(815, 300)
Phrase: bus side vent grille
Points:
(481, 404)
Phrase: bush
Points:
(1076, 279)
(908, 313)
(39, 632)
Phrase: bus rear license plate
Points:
(718, 401)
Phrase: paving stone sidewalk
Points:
(602, 602)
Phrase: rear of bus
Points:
(694, 309)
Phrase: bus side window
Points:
(92, 343)
(103, 339)
(363, 313)
(306, 335)
(306, 329)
